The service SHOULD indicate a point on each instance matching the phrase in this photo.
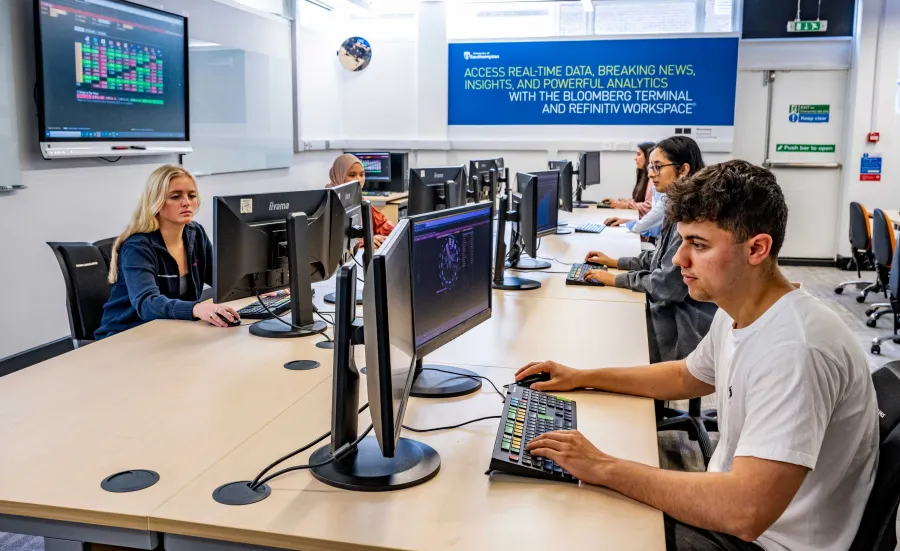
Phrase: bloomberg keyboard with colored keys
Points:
(278, 304)
(528, 414)
(576, 275)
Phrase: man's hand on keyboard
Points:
(574, 453)
(561, 377)
(596, 257)
(601, 276)
(276, 293)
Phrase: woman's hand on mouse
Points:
(561, 377)
(209, 312)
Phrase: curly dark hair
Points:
(737, 196)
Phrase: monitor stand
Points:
(367, 470)
(526, 263)
(564, 231)
(363, 469)
(432, 382)
(500, 279)
(300, 322)
(579, 203)
(331, 298)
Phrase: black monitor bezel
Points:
(566, 173)
(39, 85)
(582, 168)
(538, 174)
(465, 326)
(377, 336)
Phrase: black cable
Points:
(289, 324)
(497, 390)
(358, 263)
(454, 426)
(304, 467)
(296, 452)
(326, 320)
(116, 160)
(558, 261)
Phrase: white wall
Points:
(873, 95)
(87, 200)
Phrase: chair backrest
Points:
(877, 531)
(105, 246)
(883, 238)
(87, 290)
(860, 230)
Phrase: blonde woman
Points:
(161, 261)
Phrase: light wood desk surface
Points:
(578, 333)
(461, 508)
(169, 396)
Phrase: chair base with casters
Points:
(877, 307)
(695, 422)
(858, 257)
(877, 314)
(893, 337)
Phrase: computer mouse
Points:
(536, 378)
(230, 323)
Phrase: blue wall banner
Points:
(685, 82)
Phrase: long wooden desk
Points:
(460, 508)
(196, 403)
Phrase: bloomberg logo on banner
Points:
(479, 55)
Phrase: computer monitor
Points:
(534, 217)
(112, 79)
(566, 191)
(357, 215)
(486, 175)
(399, 173)
(377, 166)
(432, 189)
(588, 175)
(385, 461)
(451, 252)
(268, 241)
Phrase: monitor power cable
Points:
(453, 426)
(336, 456)
(289, 324)
(257, 481)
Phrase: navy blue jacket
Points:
(147, 286)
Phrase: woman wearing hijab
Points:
(348, 168)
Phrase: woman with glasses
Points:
(676, 322)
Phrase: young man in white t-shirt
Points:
(798, 426)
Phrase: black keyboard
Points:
(604, 205)
(278, 304)
(590, 228)
(377, 193)
(576, 274)
(526, 415)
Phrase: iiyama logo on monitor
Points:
(438, 174)
(273, 206)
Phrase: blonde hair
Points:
(144, 219)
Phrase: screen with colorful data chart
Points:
(111, 70)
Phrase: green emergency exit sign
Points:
(803, 148)
(807, 26)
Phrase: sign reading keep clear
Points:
(656, 82)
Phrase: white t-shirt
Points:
(795, 387)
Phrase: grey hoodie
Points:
(676, 323)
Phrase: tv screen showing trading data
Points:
(376, 165)
(548, 201)
(451, 276)
(111, 70)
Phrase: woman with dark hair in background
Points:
(676, 322)
(348, 168)
(641, 198)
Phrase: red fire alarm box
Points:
(873, 137)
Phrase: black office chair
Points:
(894, 292)
(85, 272)
(860, 246)
(877, 530)
(695, 422)
(883, 244)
